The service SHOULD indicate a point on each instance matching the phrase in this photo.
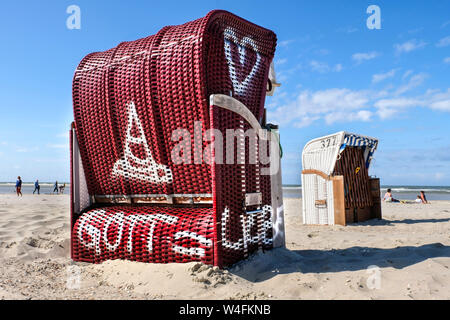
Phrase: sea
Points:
(398, 192)
(289, 191)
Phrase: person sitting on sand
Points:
(19, 186)
(423, 197)
(37, 187)
(388, 197)
(418, 199)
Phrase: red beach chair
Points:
(143, 185)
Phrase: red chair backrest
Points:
(129, 100)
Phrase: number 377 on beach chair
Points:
(336, 186)
(171, 158)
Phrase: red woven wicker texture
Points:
(146, 234)
(240, 34)
(168, 77)
(181, 105)
(265, 186)
(90, 91)
(238, 230)
(145, 89)
(72, 213)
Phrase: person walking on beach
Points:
(19, 186)
(37, 187)
(55, 189)
(61, 188)
(388, 196)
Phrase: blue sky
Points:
(336, 74)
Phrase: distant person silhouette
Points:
(37, 187)
(55, 189)
(61, 188)
(19, 186)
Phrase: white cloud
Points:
(396, 103)
(360, 57)
(63, 135)
(318, 66)
(443, 105)
(348, 29)
(433, 99)
(323, 67)
(389, 107)
(338, 68)
(413, 82)
(305, 121)
(309, 106)
(383, 76)
(361, 115)
(26, 149)
(285, 43)
(279, 62)
(439, 100)
(444, 42)
(407, 74)
(346, 105)
(331, 99)
(409, 46)
(447, 60)
(58, 146)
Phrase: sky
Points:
(391, 83)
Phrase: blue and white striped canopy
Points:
(369, 144)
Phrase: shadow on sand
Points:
(263, 266)
(376, 222)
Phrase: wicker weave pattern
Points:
(145, 234)
(164, 77)
(352, 166)
(232, 183)
(127, 103)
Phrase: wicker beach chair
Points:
(336, 186)
(143, 185)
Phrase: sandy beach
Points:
(410, 246)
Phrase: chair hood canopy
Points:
(128, 101)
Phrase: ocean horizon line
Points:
(385, 186)
(392, 186)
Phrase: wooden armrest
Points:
(318, 172)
